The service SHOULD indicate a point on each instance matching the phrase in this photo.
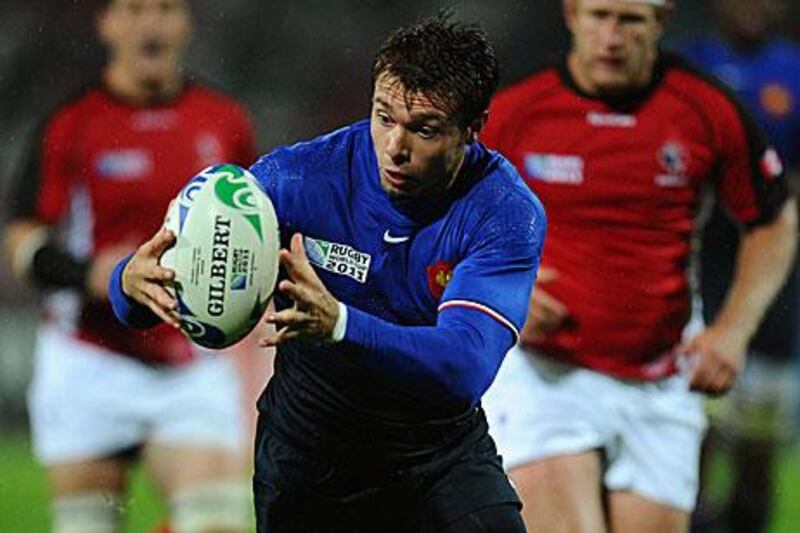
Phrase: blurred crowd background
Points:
(301, 67)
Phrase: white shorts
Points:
(650, 433)
(86, 402)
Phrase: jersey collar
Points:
(625, 101)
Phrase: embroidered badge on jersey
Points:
(776, 100)
(124, 165)
(439, 275)
(338, 258)
(771, 164)
(555, 168)
(674, 159)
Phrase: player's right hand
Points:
(545, 313)
(143, 278)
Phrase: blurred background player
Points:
(601, 428)
(760, 412)
(396, 307)
(102, 173)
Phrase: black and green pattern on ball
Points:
(235, 190)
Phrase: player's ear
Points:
(476, 126)
(104, 25)
(570, 9)
(663, 16)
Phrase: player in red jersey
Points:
(597, 418)
(105, 167)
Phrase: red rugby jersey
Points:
(620, 180)
(104, 171)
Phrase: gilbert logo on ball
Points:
(225, 257)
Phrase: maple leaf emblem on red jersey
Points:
(771, 164)
(439, 275)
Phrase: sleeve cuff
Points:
(340, 328)
(126, 309)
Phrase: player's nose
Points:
(611, 34)
(396, 145)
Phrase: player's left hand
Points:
(315, 310)
(717, 356)
(102, 266)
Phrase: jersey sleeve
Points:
(41, 189)
(752, 182)
(496, 277)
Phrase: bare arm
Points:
(545, 313)
(25, 238)
(764, 258)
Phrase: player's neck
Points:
(583, 81)
(125, 85)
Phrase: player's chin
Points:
(613, 83)
(394, 191)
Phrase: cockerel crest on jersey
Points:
(439, 275)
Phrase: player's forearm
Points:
(34, 255)
(765, 256)
(128, 311)
(453, 362)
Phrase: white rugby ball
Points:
(225, 257)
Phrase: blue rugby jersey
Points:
(767, 79)
(469, 258)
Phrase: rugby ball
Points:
(225, 256)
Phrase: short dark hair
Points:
(450, 62)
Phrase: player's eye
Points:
(632, 19)
(169, 6)
(600, 14)
(383, 118)
(427, 132)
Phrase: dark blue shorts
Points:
(462, 488)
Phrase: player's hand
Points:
(545, 313)
(101, 268)
(716, 357)
(315, 310)
(143, 278)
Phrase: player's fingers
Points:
(159, 295)
(299, 293)
(297, 246)
(291, 318)
(167, 317)
(546, 317)
(546, 274)
(296, 263)
(552, 305)
(703, 377)
(547, 320)
(160, 273)
(269, 340)
(698, 376)
(273, 339)
(723, 381)
(159, 243)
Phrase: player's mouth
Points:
(396, 180)
(611, 63)
(153, 48)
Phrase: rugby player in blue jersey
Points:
(410, 254)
